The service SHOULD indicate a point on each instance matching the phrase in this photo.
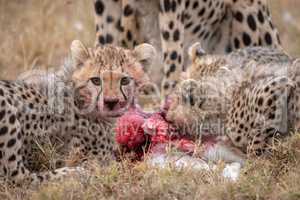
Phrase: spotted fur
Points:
(77, 108)
(221, 26)
(251, 96)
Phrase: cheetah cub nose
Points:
(111, 103)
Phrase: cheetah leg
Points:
(131, 34)
(108, 22)
(172, 37)
(251, 25)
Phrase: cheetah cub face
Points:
(106, 78)
(199, 98)
(192, 103)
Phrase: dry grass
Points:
(286, 17)
(276, 177)
(39, 32)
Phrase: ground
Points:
(39, 33)
(263, 178)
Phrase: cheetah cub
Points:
(78, 108)
(249, 98)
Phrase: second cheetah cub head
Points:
(198, 98)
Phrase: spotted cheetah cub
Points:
(250, 98)
(78, 108)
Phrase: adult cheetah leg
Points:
(131, 34)
(172, 36)
(251, 25)
(108, 22)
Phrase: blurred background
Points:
(39, 32)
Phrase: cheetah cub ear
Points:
(145, 54)
(196, 51)
(79, 52)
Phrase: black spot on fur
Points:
(128, 10)
(246, 39)
(173, 55)
(31, 106)
(99, 7)
(27, 126)
(272, 116)
(179, 59)
(109, 19)
(206, 35)
(195, 5)
(12, 158)
(171, 25)
(2, 114)
(188, 25)
(268, 38)
(239, 16)
(260, 101)
(236, 43)
(187, 4)
(173, 7)
(171, 69)
(211, 14)
(256, 142)
(119, 26)
(12, 119)
(201, 12)
(129, 35)
(266, 89)
(109, 39)
(176, 35)
(11, 142)
(166, 35)
(167, 5)
(260, 17)
(197, 29)
(101, 40)
(3, 130)
(270, 102)
(251, 22)
(13, 131)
